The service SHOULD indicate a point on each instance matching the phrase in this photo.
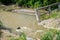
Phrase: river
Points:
(14, 20)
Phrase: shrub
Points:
(58, 35)
(50, 35)
(47, 36)
(23, 36)
(30, 3)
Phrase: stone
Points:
(53, 23)
(28, 38)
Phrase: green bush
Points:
(29, 3)
(48, 36)
(22, 36)
(58, 35)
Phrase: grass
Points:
(51, 35)
(54, 14)
(21, 37)
(47, 36)
(58, 36)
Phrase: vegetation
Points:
(58, 36)
(50, 35)
(0, 30)
(29, 3)
(1, 33)
(54, 14)
(0, 23)
(21, 37)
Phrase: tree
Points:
(6, 2)
(45, 2)
(37, 4)
(57, 0)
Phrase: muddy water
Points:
(14, 20)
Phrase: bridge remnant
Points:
(48, 8)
